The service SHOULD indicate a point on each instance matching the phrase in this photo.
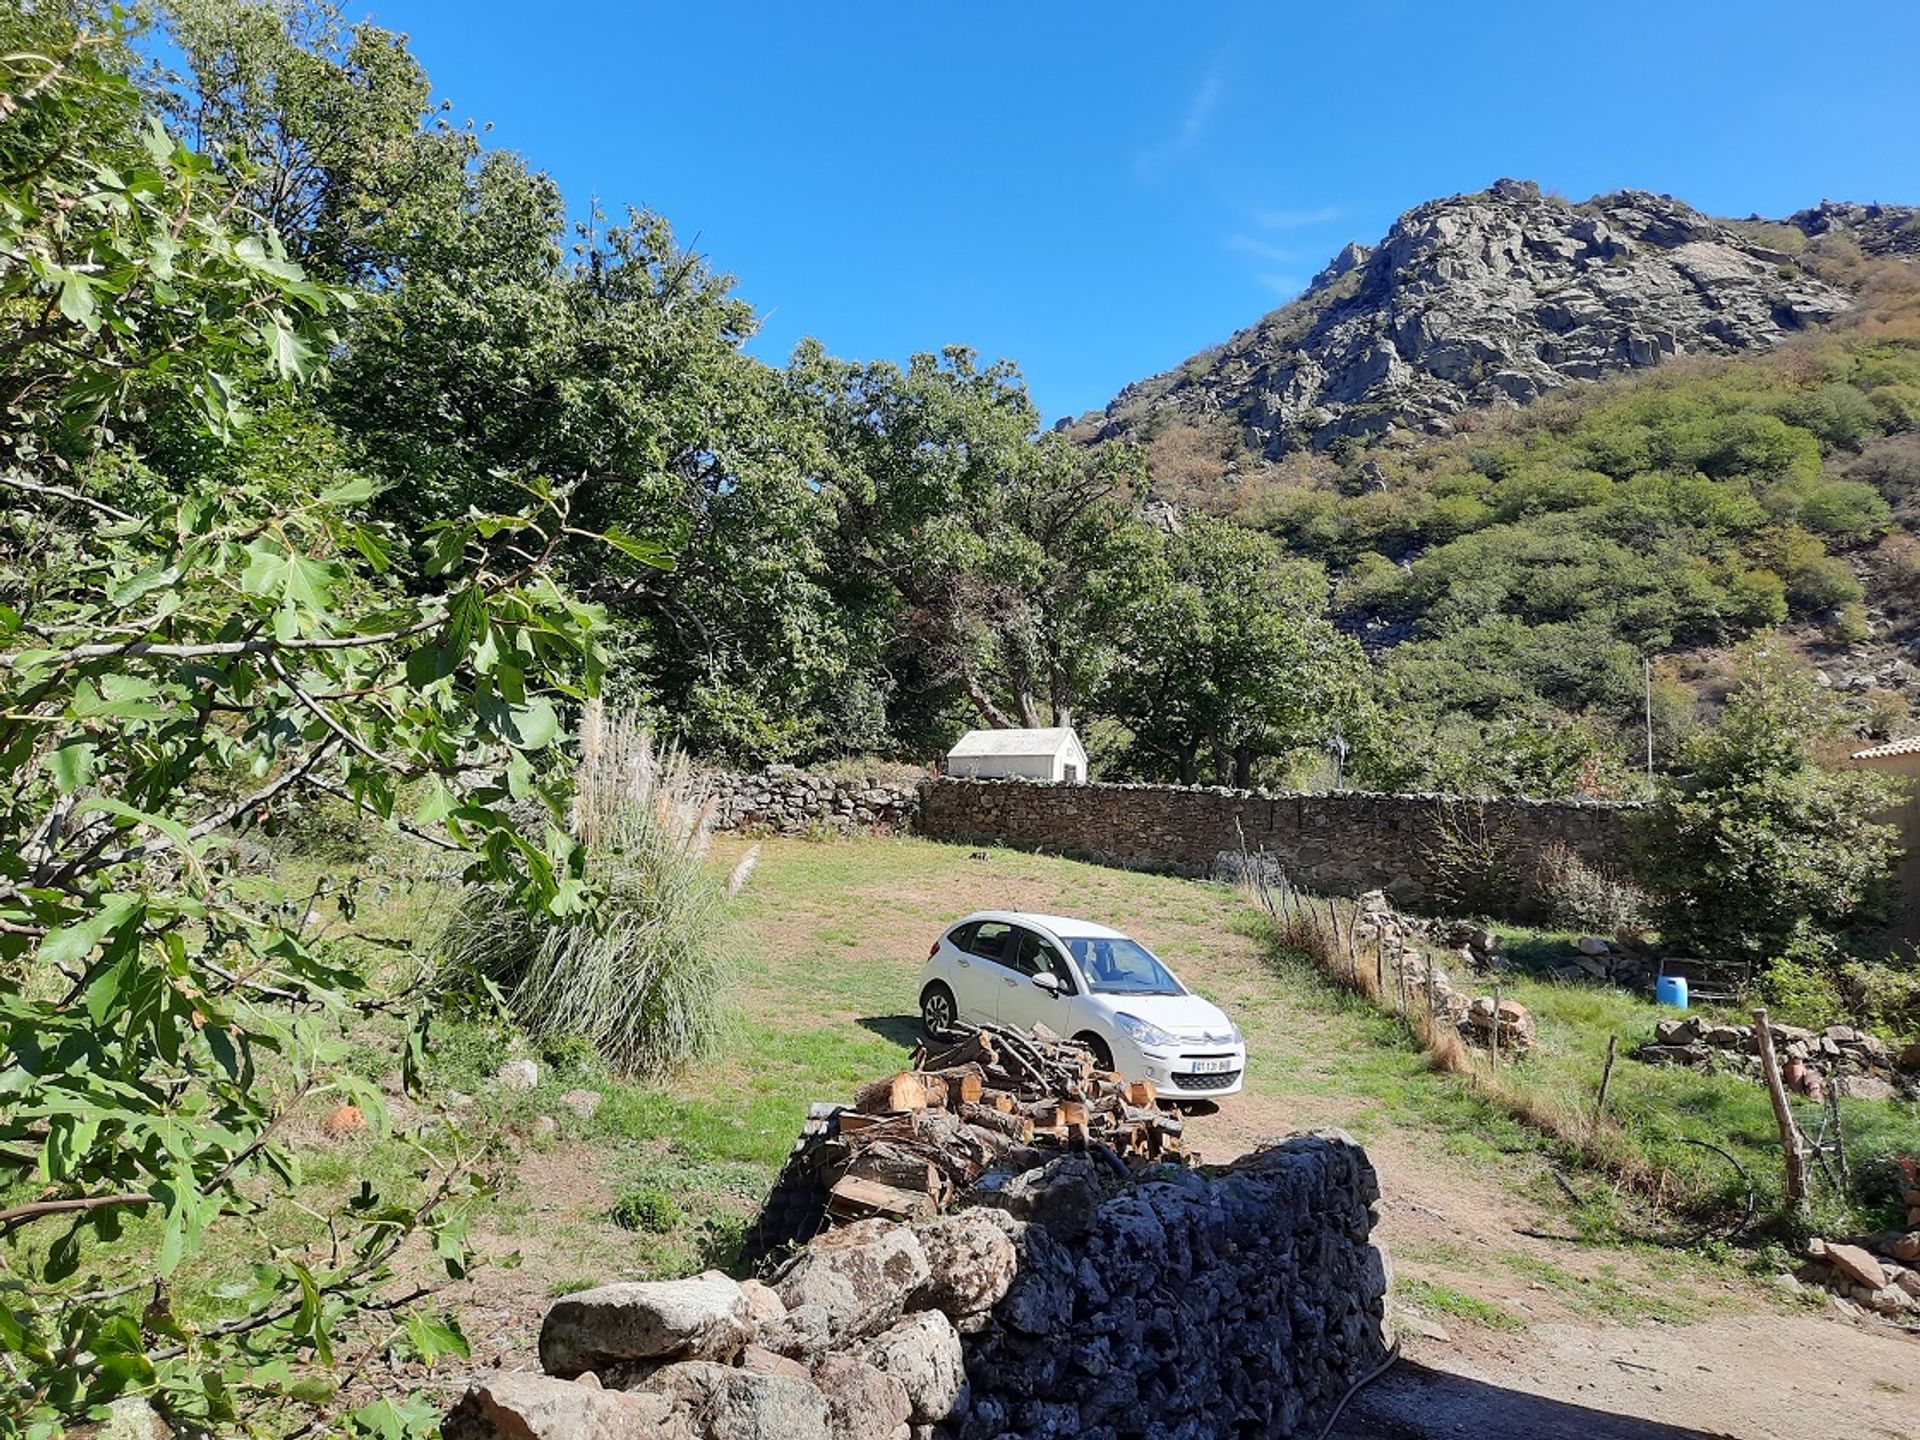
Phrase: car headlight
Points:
(1145, 1031)
(1238, 1038)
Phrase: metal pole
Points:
(1646, 672)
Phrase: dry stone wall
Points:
(1413, 847)
(790, 801)
(1066, 1303)
(1419, 849)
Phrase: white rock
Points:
(536, 1407)
(518, 1075)
(703, 1318)
(923, 1353)
(582, 1102)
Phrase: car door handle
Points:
(1011, 981)
(966, 964)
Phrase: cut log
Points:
(856, 1199)
(905, 1091)
(1072, 1112)
(1142, 1093)
(965, 1084)
(888, 1164)
(1016, 1127)
(976, 1049)
(852, 1122)
(1000, 1100)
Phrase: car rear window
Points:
(990, 940)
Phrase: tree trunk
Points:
(983, 702)
(1243, 767)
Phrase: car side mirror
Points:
(1048, 982)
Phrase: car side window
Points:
(990, 941)
(1038, 955)
(961, 936)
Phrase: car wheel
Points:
(1102, 1052)
(937, 1010)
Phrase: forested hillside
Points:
(836, 557)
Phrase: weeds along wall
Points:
(1435, 851)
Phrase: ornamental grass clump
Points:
(642, 973)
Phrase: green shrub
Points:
(1573, 895)
(1884, 995)
(1755, 851)
(1846, 508)
(1801, 993)
(646, 1208)
(641, 976)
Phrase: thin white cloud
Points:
(1202, 107)
(1152, 163)
(1285, 286)
(1263, 249)
(1297, 219)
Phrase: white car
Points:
(1086, 981)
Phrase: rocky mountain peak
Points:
(1495, 298)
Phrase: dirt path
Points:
(1609, 1343)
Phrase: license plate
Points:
(1211, 1067)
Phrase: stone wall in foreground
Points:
(1067, 1303)
(1414, 847)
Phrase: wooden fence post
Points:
(1606, 1079)
(1790, 1146)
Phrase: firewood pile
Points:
(988, 1099)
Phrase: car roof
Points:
(1058, 924)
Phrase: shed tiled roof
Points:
(1909, 745)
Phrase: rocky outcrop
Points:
(1494, 299)
(1243, 1300)
(1876, 229)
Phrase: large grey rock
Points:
(802, 1334)
(923, 1353)
(1062, 1196)
(860, 1275)
(706, 1318)
(730, 1404)
(1857, 1265)
(972, 1261)
(863, 1401)
(535, 1407)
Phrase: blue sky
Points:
(1099, 190)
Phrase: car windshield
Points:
(1119, 966)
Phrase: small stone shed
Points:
(1049, 754)
(1900, 759)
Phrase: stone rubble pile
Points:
(1881, 1274)
(1067, 1302)
(1865, 1066)
(1609, 962)
(790, 801)
(1397, 943)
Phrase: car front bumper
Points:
(1201, 1072)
